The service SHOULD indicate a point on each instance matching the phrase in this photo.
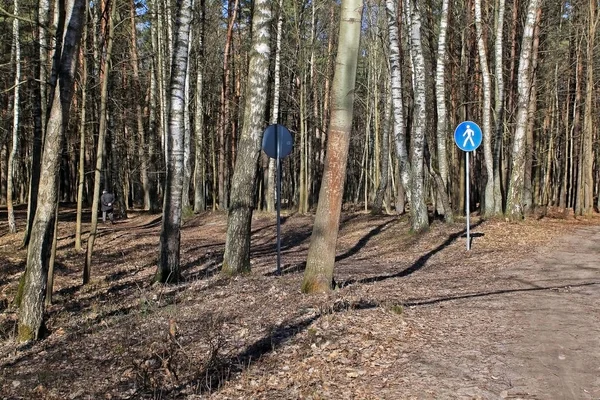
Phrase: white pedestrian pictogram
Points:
(469, 134)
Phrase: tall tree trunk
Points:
(82, 130)
(499, 109)
(102, 129)
(270, 181)
(12, 226)
(187, 134)
(440, 93)
(397, 105)
(139, 115)
(514, 207)
(385, 163)
(320, 261)
(170, 236)
(225, 109)
(528, 184)
(588, 122)
(236, 258)
(418, 208)
(39, 107)
(488, 208)
(199, 127)
(31, 312)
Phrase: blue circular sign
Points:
(277, 136)
(467, 136)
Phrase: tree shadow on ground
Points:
(438, 300)
(417, 265)
(218, 372)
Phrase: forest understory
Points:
(413, 316)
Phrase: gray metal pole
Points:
(278, 202)
(467, 202)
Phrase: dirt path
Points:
(556, 352)
(533, 334)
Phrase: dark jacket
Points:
(107, 200)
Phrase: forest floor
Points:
(412, 317)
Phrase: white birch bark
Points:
(12, 226)
(187, 130)
(170, 235)
(486, 126)
(270, 197)
(396, 92)
(440, 93)
(514, 206)
(499, 105)
(418, 208)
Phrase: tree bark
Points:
(199, 126)
(236, 258)
(418, 208)
(170, 236)
(16, 50)
(100, 150)
(489, 207)
(31, 311)
(320, 261)
(514, 208)
(397, 104)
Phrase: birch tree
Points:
(488, 207)
(396, 93)
(236, 258)
(16, 50)
(514, 206)
(320, 261)
(499, 105)
(31, 311)
(418, 208)
(440, 94)
(168, 269)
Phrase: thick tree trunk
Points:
(236, 258)
(320, 261)
(418, 208)
(170, 236)
(514, 208)
(31, 311)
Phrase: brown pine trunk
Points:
(320, 261)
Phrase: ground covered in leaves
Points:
(412, 317)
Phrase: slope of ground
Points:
(413, 316)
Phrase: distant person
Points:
(107, 200)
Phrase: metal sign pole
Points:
(278, 204)
(467, 202)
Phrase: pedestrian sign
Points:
(467, 136)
